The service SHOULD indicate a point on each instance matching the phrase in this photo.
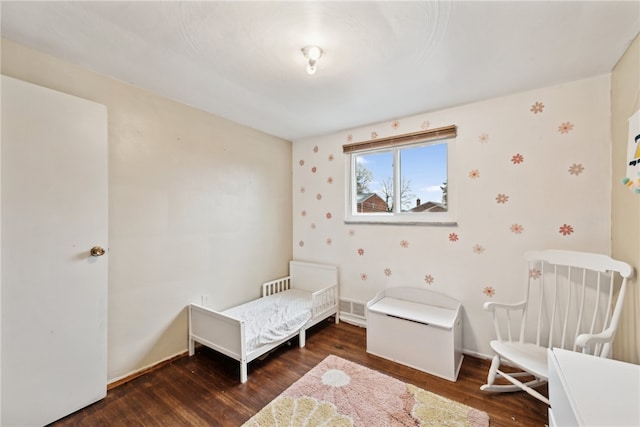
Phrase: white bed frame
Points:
(226, 334)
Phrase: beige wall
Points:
(625, 211)
(565, 148)
(198, 206)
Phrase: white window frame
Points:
(397, 217)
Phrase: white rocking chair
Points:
(571, 303)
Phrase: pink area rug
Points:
(341, 393)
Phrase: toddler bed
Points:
(288, 307)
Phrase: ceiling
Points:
(382, 60)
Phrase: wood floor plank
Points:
(204, 390)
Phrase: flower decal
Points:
(428, 279)
(474, 174)
(565, 127)
(502, 199)
(395, 124)
(331, 157)
(453, 237)
(404, 244)
(313, 225)
(302, 189)
(565, 229)
(351, 232)
(329, 241)
(537, 108)
(516, 159)
(314, 169)
(316, 149)
(534, 273)
(301, 162)
(374, 135)
(319, 196)
(360, 251)
(301, 243)
(330, 180)
(576, 169)
(363, 276)
(425, 125)
(303, 213)
(328, 215)
(387, 272)
(483, 138)
(517, 228)
(349, 138)
(478, 249)
(489, 291)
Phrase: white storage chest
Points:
(418, 328)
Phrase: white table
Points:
(585, 390)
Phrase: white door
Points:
(54, 292)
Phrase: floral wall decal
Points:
(565, 229)
(474, 174)
(387, 272)
(395, 124)
(360, 251)
(576, 169)
(425, 124)
(483, 138)
(516, 228)
(453, 237)
(502, 198)
(565, 127)
(489, 291)
(363, 276)
(374, 135)
(429, 279)
(537, 108)
(534, 273)
(478, 249)
(316, 149)
(404, 244)
(314, 169)
(516, 159)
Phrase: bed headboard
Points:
(311, 276)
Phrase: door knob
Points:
(97, 251)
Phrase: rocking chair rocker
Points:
(571, 303)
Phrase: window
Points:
(401, 179)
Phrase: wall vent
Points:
(353, 311)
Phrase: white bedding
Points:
(272, 318)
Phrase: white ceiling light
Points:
(312, 53)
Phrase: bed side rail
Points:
(324, 300)
(275, 286)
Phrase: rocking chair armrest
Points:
(585, 340)
(492, 306)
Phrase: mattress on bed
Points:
(274, 317)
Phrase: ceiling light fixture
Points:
(312, 53)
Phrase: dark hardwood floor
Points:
(204, 390)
